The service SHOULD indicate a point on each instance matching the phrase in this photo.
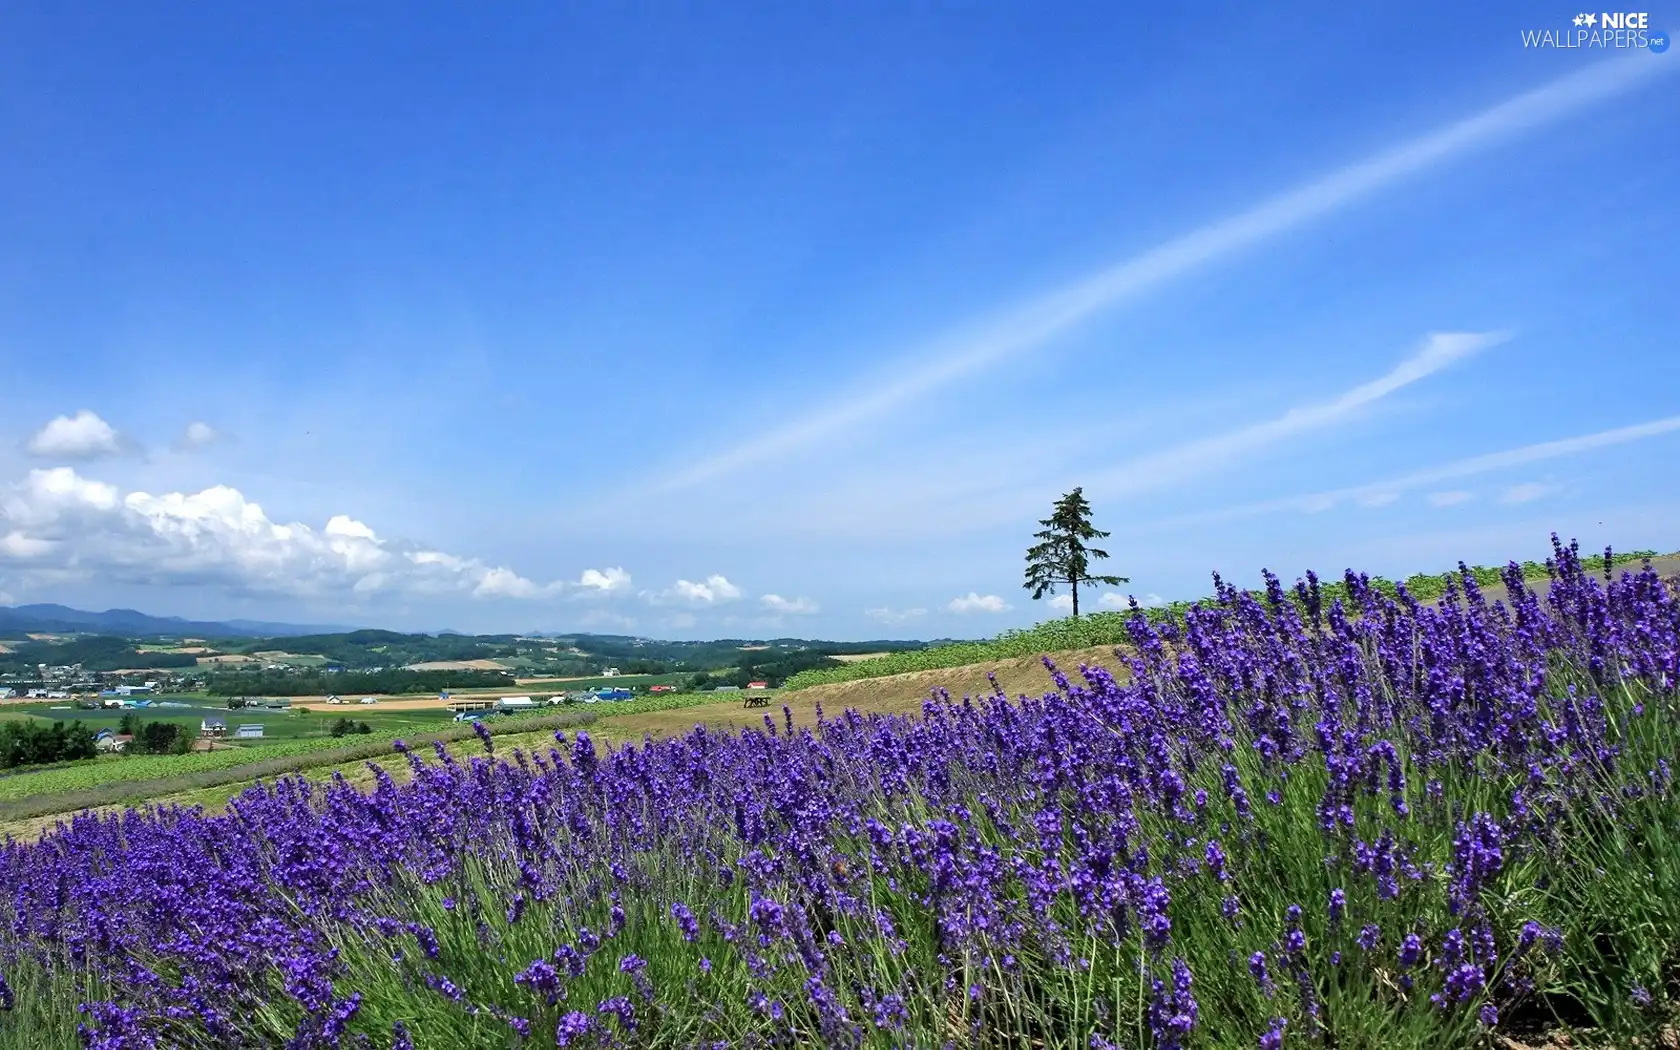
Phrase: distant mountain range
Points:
(130, 623)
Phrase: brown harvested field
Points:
(398, 703)
(228, 658)
(899, 694)
(854, 658)
(191, 650)
(542, 680)
(459, 665)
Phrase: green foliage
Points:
(346, 726)
(156, 737)
(1061, 555)
(31, 743)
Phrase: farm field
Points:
(1454, 827)
(460, 665)
(852, 658)
(277, 724)
(25, 783)
(38, 798)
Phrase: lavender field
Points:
(1387, 824)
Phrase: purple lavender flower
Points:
(686, 921)
(620, 1008)
(1411, 951)
(572, 1027)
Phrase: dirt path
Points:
(899, 694)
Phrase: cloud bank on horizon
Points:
(1258, 330)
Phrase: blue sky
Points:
(769, 319)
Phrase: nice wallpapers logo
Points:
(1601, 30)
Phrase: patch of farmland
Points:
(459, 665)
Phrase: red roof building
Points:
(758, 685)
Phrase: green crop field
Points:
(277, 724)
(213, 776)
(1109, 628)
(77, 776)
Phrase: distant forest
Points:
(578, 655)
(766, 665)
(94, 654)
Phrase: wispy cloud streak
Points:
(1463, 468)
(1181, 461)
(1030, 326)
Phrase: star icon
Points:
(1580, 20)
(1592, 20)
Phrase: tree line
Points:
(30, 743)
(155, 738)
(766, 666)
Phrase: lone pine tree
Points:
(1061, 556)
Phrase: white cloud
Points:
(197, 435)
(894, 616)
(6, 598)
(972, 602)
(18, 547)
(1111, 599)
(1448, 499)
(711, 591)
(798, 606)
(1027, 328)
(505, 583)
(58, 521)
(1378, 499)
(1115, 600)
(1527, 492)
(604, 581)
(82, 436)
